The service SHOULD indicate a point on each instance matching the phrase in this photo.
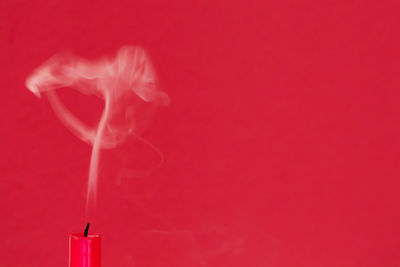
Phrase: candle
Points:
(84, 249)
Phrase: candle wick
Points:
(85, 233)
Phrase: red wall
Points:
(281, 142)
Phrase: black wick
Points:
(85, 233)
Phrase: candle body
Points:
(84, 251)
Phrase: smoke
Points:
(124, 82)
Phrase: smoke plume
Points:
(123, 82)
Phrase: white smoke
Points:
(122, 82)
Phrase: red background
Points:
(281, 141)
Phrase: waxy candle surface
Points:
(84, 251)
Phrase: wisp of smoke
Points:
(122, 82)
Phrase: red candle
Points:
(84, 249)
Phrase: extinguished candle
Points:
(84, 249)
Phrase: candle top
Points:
(85, 234)
(81, 236)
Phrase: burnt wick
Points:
(85, 233)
